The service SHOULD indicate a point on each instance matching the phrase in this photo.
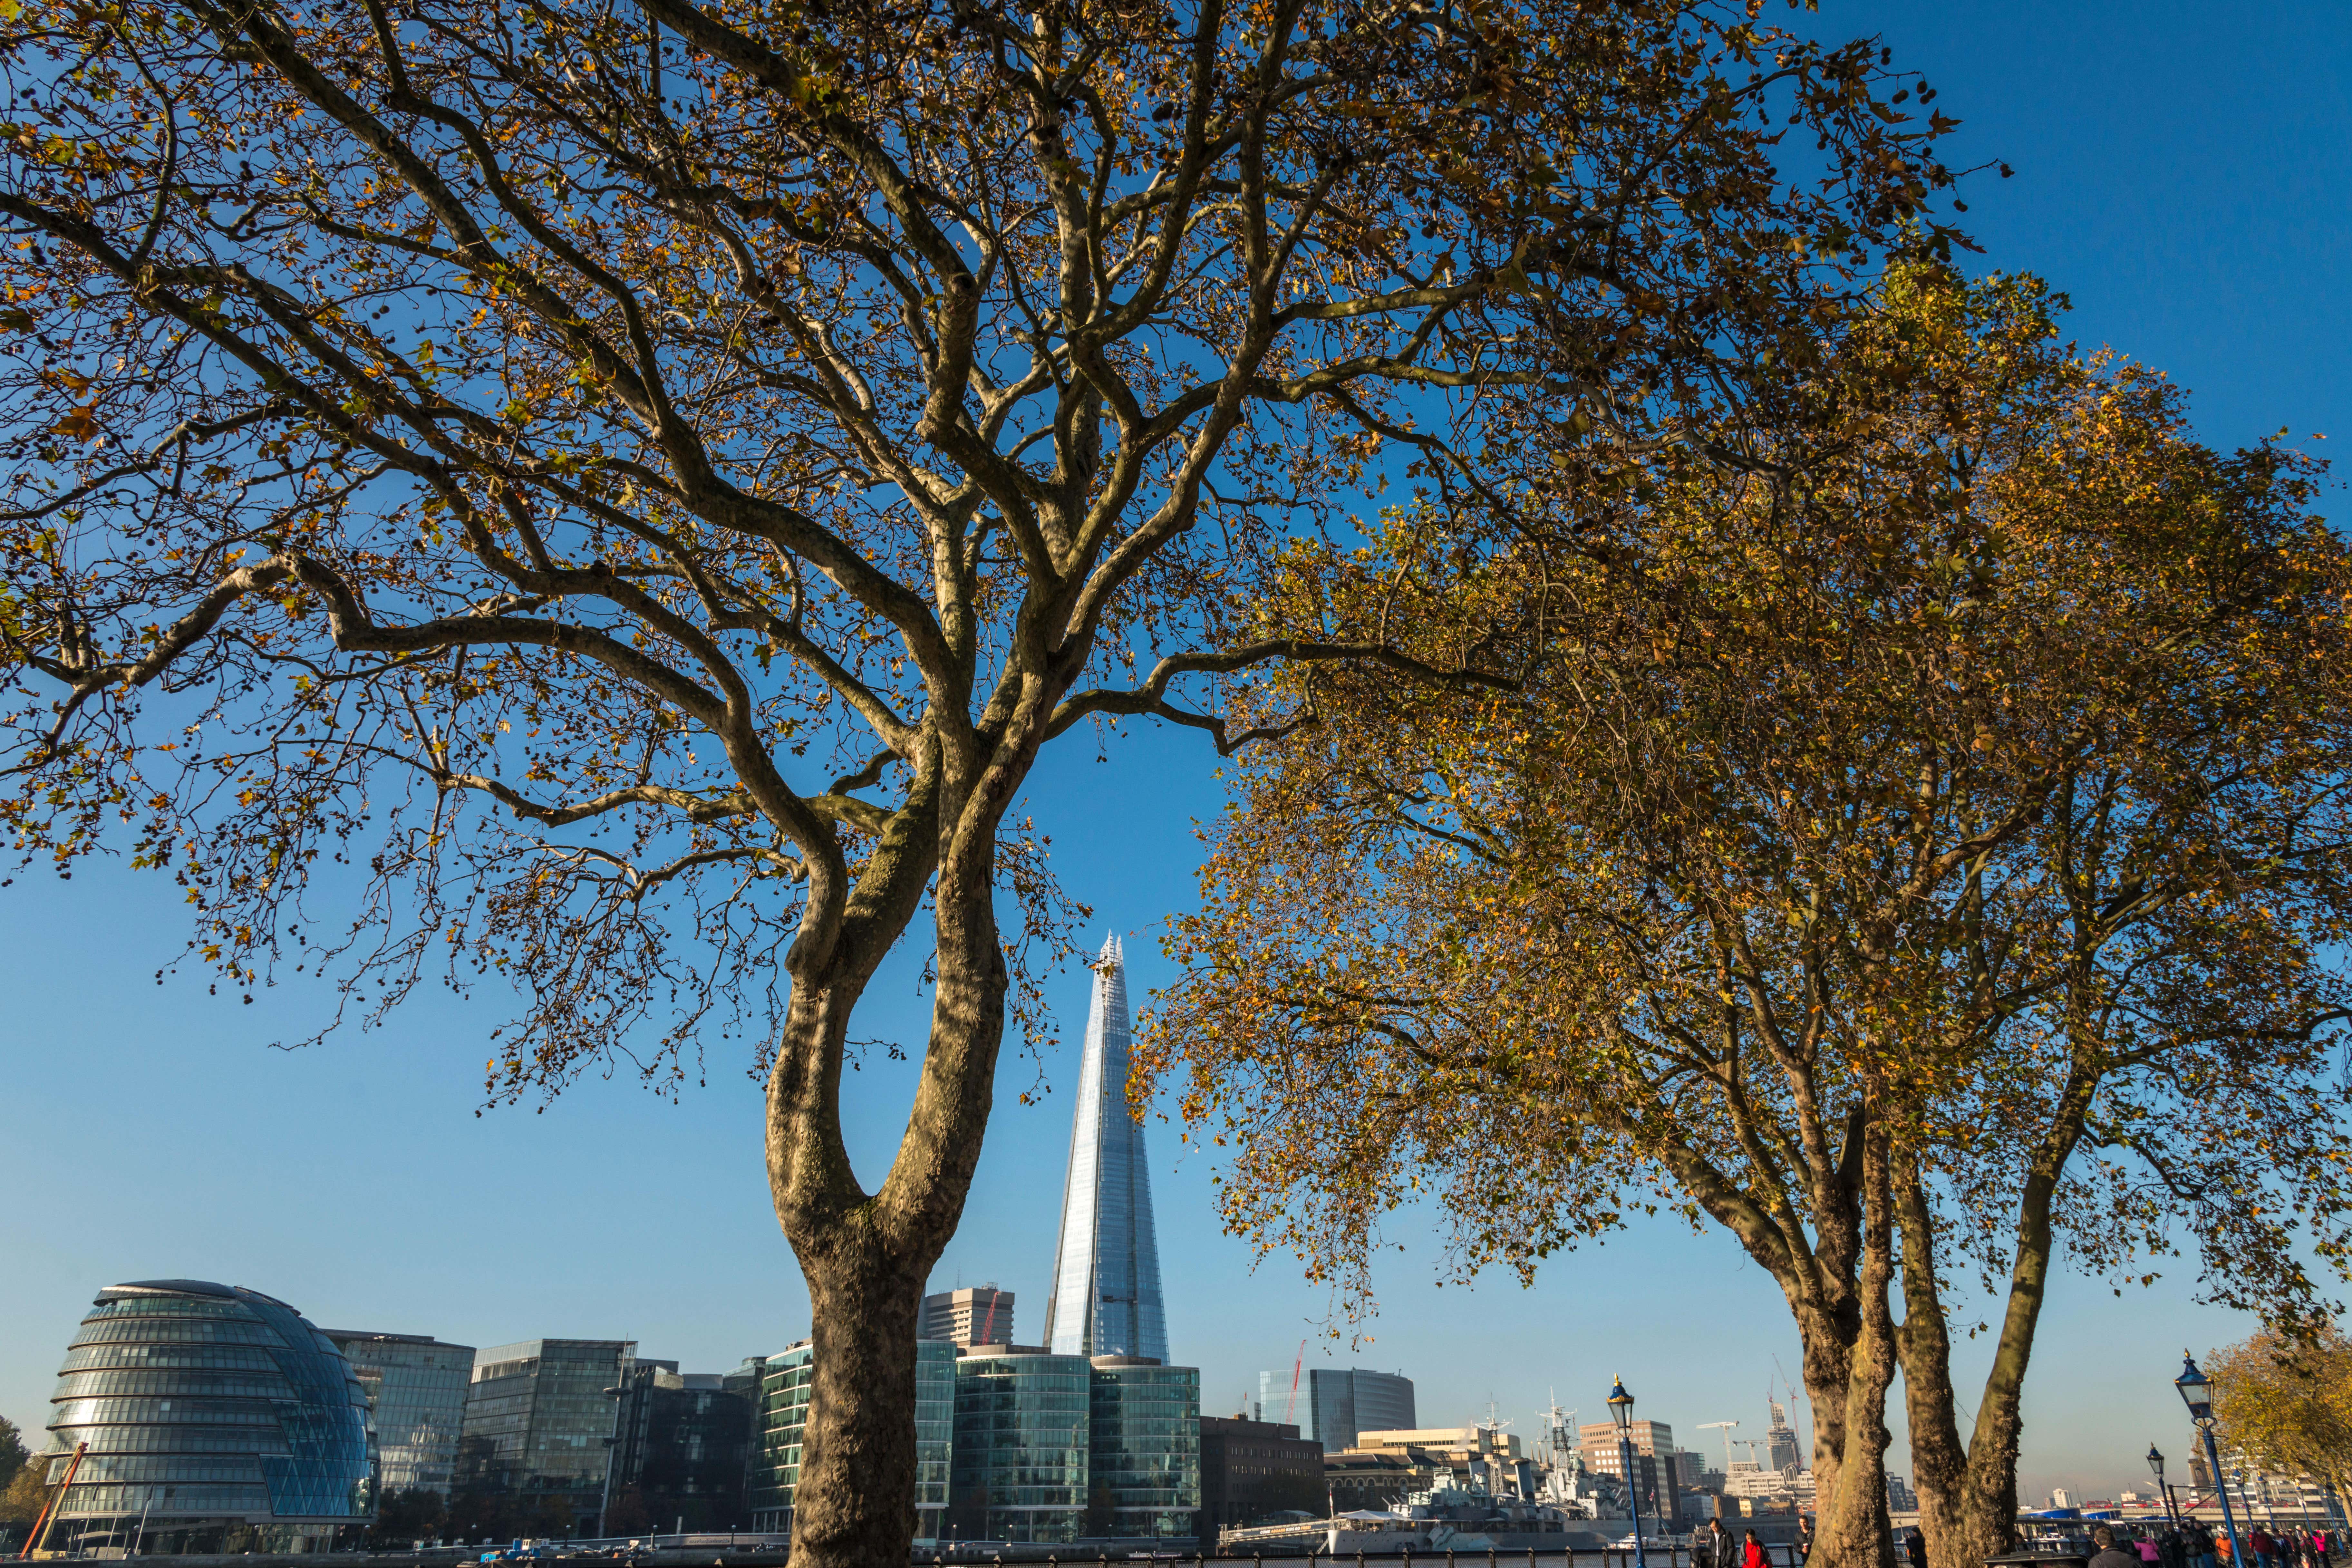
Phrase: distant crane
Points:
(1725, 1427)
(1292, 1403)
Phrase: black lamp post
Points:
(1620, 1411)
(2198, 1395)
(2155, 1464)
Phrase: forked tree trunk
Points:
(867, 1258)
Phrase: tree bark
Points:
(1851, 1502)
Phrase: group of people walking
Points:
(2194, 1544)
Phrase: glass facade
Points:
(784, 1416)
(215, 1419)
(1020, 1460)
(1144, 1453)
(1106, 1298)
(1333, 1405)
(680, 1459)
(539, 1425)
(416, 1406)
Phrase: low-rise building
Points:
(1253, 1470)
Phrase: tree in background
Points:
(2284, 1396)
(417, 1514)
(612, 499)
(1877, 824)
(13, 1452)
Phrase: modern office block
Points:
(1022, 1445)
(211, 1418)
(1330, 1405)
(1143, 1456)
(415, 1389)
(1106, 1298)
(681, 1451)
(976, 1315)
(784, 1416)
(540, 1425)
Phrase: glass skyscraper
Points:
(539, 1425)
(1107, 1298)
(416, 1404)
(214, 1418)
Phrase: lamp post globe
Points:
(1620, 1411)
(2196, 1390)
(2197, 1393)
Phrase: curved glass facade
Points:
(216, 1420)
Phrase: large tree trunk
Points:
(1938, 1463)
(867, 1258)
(1852, 1501)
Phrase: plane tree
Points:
(1918, 853)
(607, 501)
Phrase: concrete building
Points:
(1252, 1470)
(539, 1430)
(1107, 1298)
(1655, 1485)
(415, 1389)
(1357, 1478)
(681, 1451)
(980, 1315)
(1900, 1498)
(1332, 1406)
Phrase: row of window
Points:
(174, 1331)
(168, 1307)
(177, 1440)
(244, 1468)
(195, 1385)
(221, 1358)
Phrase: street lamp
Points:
(1620, 1411)
(2197, 1393)
(2156, 1463)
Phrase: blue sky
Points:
(2181, 171)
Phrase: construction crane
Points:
(1291, 1404)
(1725, 1427)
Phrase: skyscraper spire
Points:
(1107, 1298)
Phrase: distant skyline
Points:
(2181, 173)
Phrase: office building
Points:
(1143, 1459)
(210, 1418)
(980, 1315)
(1107, 1298)
(782, 1417)
(540, 1428)
(1019, 1464)
(1253, 1470)
(416, 1406)
(1332, 1406)
(681, 1451)
(1900, 1498)
(1654, 1482)
(1782, 1451)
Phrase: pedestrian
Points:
(1719, 1545)
(2264, 1546)
(1751, 1553)
(2148, 1555)
(1915, 1547)
(1804, 1538)
(2321, 1545)
(2107, 1554)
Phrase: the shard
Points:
(1106, 1298)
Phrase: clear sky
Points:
(2182, 171)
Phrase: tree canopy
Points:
(1918, 855)
(607, 500)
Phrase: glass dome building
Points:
(209, 1418)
